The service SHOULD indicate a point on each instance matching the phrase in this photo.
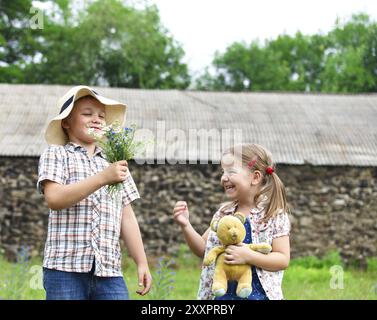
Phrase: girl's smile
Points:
(229, 188)
(233, 177)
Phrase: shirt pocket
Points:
(76, 170)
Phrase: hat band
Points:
(69, 101)
(66, 104)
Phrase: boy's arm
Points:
(60, 196)
(130, 233)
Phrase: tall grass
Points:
(17, 280)
(327, 278)
(178, 279)
(163, 282)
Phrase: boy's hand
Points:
(115, 172)
(181, 213)
(145, 280)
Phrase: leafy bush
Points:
(327, 261)
(372, 264)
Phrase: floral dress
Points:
(276, 227)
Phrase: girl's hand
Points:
(238, 254)
(181, 213)
(115, 172)
(145, 279)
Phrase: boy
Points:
(82, 258)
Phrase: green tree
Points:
(106, 43)
(17, 43)
(344, 60)
(139, 53)
(303, 55)
(244, 67)
(284, 64)
(351, 61)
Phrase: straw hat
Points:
(55, 133)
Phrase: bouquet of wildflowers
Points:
(117, 144)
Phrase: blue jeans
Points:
(62, 285)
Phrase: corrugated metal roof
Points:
(296, 128)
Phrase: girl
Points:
(255, 190)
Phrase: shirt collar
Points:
(72, 147)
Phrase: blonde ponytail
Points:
(274, 190)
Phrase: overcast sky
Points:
(204, 26)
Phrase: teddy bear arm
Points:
(212, 255)
(261, 247)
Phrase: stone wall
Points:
(332, 207)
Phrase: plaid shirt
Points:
(90, 229)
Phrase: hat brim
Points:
(115, 111)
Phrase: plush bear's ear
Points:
(214, 224)
(240, 216)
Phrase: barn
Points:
(325, 148)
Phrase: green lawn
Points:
(306, 278)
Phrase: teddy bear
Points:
(230, 230)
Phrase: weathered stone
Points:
(339, 204)
(355, 193)
(306, 221)
(329, 209)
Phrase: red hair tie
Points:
(269, 170)
(251, 164)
